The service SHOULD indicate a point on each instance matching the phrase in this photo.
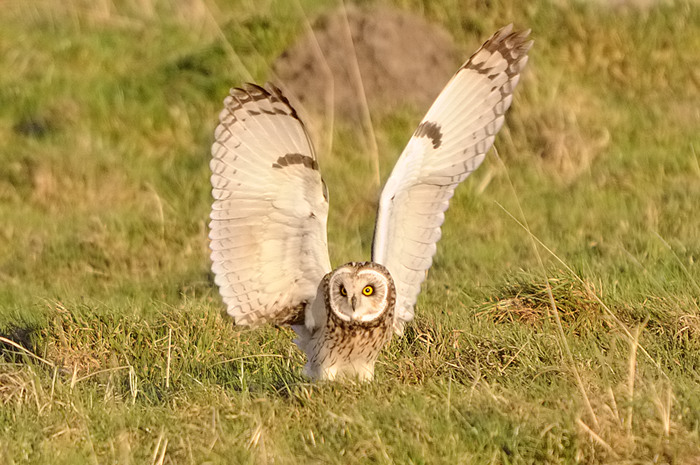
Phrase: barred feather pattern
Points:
(450, 143)
(268, 220)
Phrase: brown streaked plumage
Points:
(268, 219)
(345, 329)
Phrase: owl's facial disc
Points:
(359, 295)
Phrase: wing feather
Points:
(268, 219)
(449, 144)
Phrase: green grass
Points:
(114, 346)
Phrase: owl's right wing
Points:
(268, 220)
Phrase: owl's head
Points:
(361, 292)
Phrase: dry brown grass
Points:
(527, 302)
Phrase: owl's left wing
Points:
(450, 142)
(268, 220)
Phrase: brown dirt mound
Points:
(403, 60)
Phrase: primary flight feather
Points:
(268, 219)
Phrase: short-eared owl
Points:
(268, 219)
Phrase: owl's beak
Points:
(353, 302)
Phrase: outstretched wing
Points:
(448, 145)
(268, 220)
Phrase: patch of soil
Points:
(403, 60)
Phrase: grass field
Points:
(560, 322)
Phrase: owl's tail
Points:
(303, 337)
(303, 341)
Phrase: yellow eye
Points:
(368, 290)
(343, 292)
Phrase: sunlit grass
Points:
(114, 349)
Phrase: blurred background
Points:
(109, 108)
(107, 113)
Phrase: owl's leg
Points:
(329, 373)
(364, 371)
